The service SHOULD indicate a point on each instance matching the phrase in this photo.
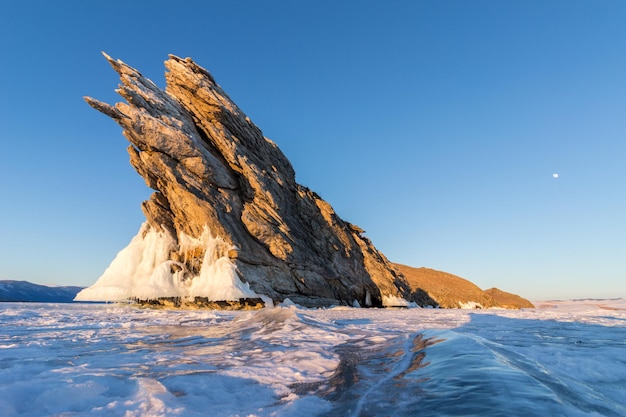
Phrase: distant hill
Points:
(450, 291)
(28, 292)
(508, 300)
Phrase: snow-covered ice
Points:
(562, 358)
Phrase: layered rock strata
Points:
(227, 219)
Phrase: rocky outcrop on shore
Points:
(227, 219)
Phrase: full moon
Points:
(555, 175)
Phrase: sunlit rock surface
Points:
(441, 289)
(227, 219)
(508, 300)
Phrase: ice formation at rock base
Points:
(144, 270)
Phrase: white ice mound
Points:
(470, 305)
(144, 270)
(393, 301)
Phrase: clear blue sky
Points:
(436, 126)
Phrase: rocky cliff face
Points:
(227, 219)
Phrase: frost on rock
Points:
(144, 270)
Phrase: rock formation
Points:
(227, 219)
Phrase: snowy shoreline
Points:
(562, 358)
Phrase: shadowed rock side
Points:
(450, 291)
(213, 170)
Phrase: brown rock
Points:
(445, 290)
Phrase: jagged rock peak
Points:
(227, 218)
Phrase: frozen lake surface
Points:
(561, 359)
